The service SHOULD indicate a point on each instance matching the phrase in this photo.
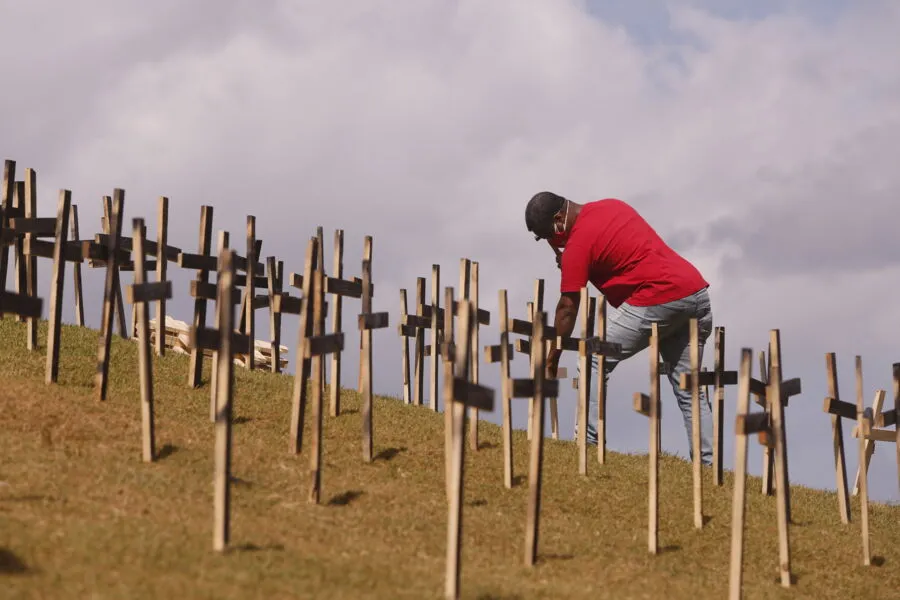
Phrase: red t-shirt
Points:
(614, 248)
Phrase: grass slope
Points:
(82, 516)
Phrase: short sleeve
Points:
(575, 268)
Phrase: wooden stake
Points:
(864, 424)
(162, 240)
(109, 294)
(695, 422)
(447, 351)
(31, 270)
(537, 442)
(21, 269)
(140, 295)
(877, 404)
(76, 272)
(740, 479)
(404, 363)
(775, 401)
(719, 406)
(335, 389)
(223, 244)
(436, 336)
(460, 392)
(195, 369)
(419, 387)
(650, 406)
(601, 382)
(6, 208)
(473, 375)
(368, 321)
(302, 368)
(584, 378)
(56, 286)
(275, 282)
(224, 388)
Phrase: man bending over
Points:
(609, 244)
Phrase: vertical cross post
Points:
(302, 368)
(56, 285)
(162, 240)
(739, 504)
(195, 369)
(110, 293)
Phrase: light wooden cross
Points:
(139, 295)
(225, 341)
(22, 229)
(582, 383)
(339, 288)
(414, 326)
(865, 425)
(877, 432)
(96, 255)
(186, 261)
(745, 423)
(112, 260)
(769, 425)
(503, 353)
(279, 304)
(6, 211)
(368, 321)
(693, 381)
(831, 406)
(76, 270)
(537, 388)
(649, 406)
(316, 347)
(460, 392)
(302, 368)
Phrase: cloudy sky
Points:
(761, 143)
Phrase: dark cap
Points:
(540, 211)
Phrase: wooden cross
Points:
(720, 378)
(6, 209)
(537, 388)
(745, 423)
(117, 211)
(195, 368)
(368, 321)
(584, 376)
(97, 257)
(226, 342)
(460, 392)
(837, 432)
(76, 271)
(139, 295)
(23, 229)
(23, 305)
(428, 317)
(503, 353)
(275, 285)
(339, 288)
(414, 387)
(693, 381)
(315, 348)
(877, 433)
(769, 425)
(301, 375)
(650, 406)
(866, 422)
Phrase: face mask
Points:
(559, 238)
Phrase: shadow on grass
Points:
(547, 557)
(518, 480)
(486, 445)
(389, 453)
(794, 579)
(670, 548)
(478, 502)
(255, 548)
(166, 451)
(345, 498)
(706, 520)
(878, 561)
(240, 420)
(10, 564)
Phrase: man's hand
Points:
(553, 363)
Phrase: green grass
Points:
(81, 516)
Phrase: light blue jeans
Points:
(630, 326)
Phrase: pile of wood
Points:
(177, 340)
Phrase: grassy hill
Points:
(81, 516)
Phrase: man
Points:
(609, 244)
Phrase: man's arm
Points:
(564, 324)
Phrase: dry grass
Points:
(81, 516)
